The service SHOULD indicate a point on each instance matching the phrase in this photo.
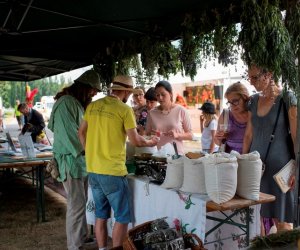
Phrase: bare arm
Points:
(212, 144)
(180, 136)
(82, 132)
(248, 135)
(201, 123)
(293, 124)
(140, 141)
(219, 134)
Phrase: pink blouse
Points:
(177, 119)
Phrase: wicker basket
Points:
(193, 241)
(140, 229)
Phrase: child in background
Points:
(208, 125)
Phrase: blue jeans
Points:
(111, 192)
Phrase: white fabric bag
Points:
(174, 174)
(220, 176)
(249, 175)
(193, 176)
(145, 150)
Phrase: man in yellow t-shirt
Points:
(106, 124)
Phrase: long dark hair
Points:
(78, 90)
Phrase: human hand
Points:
(153, 141)
(221, 135)
(292, 181)
(172, 133)
(201, 118)
(26, 127)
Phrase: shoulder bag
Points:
(271, 138)
(52, 168)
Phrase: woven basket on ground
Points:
(132, 233)
(191, 240)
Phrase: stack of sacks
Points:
(249, 175)
(194, 179)
(220, 176)
(174, 173)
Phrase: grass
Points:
(18, 226)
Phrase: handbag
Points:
(271, 139)
(222, 147)
(289, 139)
(52, 168)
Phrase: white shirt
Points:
(206, 137)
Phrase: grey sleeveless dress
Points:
(279, 155)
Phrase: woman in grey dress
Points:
(263, 108)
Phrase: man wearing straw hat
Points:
(106, 124)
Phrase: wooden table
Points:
(36, 166)
(235, 205)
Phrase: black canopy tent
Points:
(42, 38)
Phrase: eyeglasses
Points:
(234, 102)
(255, 78)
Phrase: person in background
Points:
(65, 119)
(151, 102)
(1, 120)
(33, 122)
(18, 115)
(140, 109)
(170, 121)
(208, 125)
(237, 97)
(263, 109)
(106, 124)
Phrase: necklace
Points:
(166, 112)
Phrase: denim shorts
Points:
(111, 192)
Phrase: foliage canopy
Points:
(266, 37)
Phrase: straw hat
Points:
(122, 82)
(90, 77)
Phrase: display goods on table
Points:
(158, 235)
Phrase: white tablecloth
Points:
(151, 201)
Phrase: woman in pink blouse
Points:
(170, 121)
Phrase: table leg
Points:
(37, 200)
(42, 191)
(40, 198)
(247, 226)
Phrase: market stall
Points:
(194, 213)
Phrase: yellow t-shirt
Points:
(108, 119)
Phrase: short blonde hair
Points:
(238, 88)
(209, 117)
